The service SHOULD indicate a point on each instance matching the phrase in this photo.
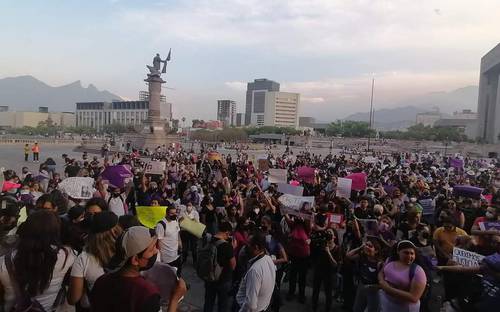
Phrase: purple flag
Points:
(116, 175)
(457, 163)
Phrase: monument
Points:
(155, 130)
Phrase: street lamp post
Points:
(371, 116)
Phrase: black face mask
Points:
(151, 262)
(115, 195)
(172, 218)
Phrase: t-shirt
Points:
(113, 292)
(447, 238)
(65, 259)
(87, 267)
(168, 239)
(116, 204)
(398, 276)
(224, 254)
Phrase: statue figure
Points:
(155, 69)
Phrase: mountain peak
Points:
(28, 93)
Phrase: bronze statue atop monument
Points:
(155, 130)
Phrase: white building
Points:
(226, 112)
(11, 119)
(281, 109)
(428, 118)
(99, 114)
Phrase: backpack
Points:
(23, 303)
(207, 266)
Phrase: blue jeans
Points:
(367, 297)
(219, 290)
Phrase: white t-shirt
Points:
(46, 299)
(168, 238)
(116, 204)
(87, 267)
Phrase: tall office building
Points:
(226, 112)
(240, 119)
(281, 109)
(488, 107)
(255, 100)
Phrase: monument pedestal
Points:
(155, 131)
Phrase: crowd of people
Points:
(74, 240)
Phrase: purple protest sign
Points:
(116, 175)
(467, 191)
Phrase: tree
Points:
(350, 128)
(421, 132)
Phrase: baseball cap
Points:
(136, 239)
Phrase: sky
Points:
(327, 50)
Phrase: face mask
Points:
(151, 262)
(383, 227)
(172, 218)
(116, 195)
(256, 210)
(489, 215)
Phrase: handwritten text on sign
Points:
(466, 258)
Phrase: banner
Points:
(277, 175)
(466, 258)
(286, 188)
(467, 191)
(456, 163)
(344, 186)
(193, 227)
(336, 218)
(155, 167)
(306, 173)
(150, 216)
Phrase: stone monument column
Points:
(154, 123)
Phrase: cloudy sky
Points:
(327, 50)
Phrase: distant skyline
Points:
(326, 50)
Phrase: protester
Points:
(125, 289)
(257, 286)
(169, 241)
(37, 267)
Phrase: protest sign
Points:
(277, 176)
(155, 167)
(117, 176)
(370, 226)
(306, 174)
(358, 181)
(466, 258)
(467, 191)
(193, 227)
(150, 216)
(214, 156)
(489, 225)
(300, 206)
(290, 189)
(78, 187)
(336, 218)
(344, 187)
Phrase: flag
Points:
(168, 56)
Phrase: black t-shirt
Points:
(224, 254)
(72, 170)
(367, 270)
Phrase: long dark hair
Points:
(37, 250)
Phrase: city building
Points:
(99, 114)
(165, 107)
(226, 112)
(255, 99)
(428, 118)
(465, 114)
(466, 125)
(13, 119)
(281, 109)
(240, 119)
(306, 122)
(488, 107)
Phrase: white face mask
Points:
(256, 210)
(489, 215)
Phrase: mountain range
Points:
(26, 93)
(403, 114)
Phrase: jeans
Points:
(323, 276)
(219, 290)
(189, 243)
(26, 157)
(298, 269)
(367, 297)
(35, 156)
